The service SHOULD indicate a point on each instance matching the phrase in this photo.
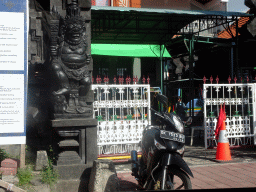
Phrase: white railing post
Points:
(127, 113)
(238, 97)
(254, 111)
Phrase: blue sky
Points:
(237, 5)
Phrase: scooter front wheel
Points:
(176, 179)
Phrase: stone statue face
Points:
(75, 32)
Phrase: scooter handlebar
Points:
(156, 112)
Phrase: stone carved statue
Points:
(70, 61)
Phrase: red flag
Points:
(221, 119)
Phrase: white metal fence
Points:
(240, 110)
(122, 112)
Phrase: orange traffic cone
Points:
(223, 150)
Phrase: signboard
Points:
(121, 3)
(117, 3)
(13, 71)
(135, 3)
(101, 2)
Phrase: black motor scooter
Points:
(161, 166)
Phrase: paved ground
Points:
(231, 175)
(208, 173)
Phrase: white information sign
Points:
(14, 18)
(11, 103)
(11, 41)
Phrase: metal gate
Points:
(122, 112)
(240, 110)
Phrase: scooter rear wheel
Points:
(176, 180)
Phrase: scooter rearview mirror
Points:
(162, 99)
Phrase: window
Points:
(103, 71)
(121, 71)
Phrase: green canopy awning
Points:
(128, 50)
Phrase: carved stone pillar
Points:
(71, 68)
(60, 68)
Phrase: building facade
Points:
(210, 5)
(151, 66)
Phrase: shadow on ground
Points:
(128, 186)
(84, 181)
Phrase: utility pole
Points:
(162, 80)
(191, 75)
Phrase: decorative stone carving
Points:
(35, 38)
(70, 62)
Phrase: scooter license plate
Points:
(172, 136)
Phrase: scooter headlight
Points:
(178, 124)
(159, 145)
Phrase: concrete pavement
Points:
(208, 173)
(218, 176)
(232, 175)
